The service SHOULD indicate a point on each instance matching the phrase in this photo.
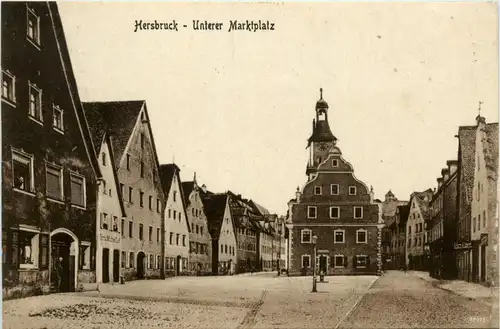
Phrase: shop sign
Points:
(110, 238)
(322, 251)
(464, 245)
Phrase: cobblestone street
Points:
(254, 301)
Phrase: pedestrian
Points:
(59, 273)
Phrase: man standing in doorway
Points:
(59, 273)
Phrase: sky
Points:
(237, 107)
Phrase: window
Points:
(171, 238)
(151, 261)
(28, 249)
(334, 189)
(8, 87)
(340, 261)
(474, 224)
(484, 218)
(122, 191)
(478, 222)
(158, 206)
(339, 236)
(335, 163)
(150, 202)
(184, 240)
(317, 190)
(361, 261)
(177, 239)
(131, 260)
(33, 27)
(115, 224)
(358, 212)
(175, 196)
(201, 230)
(128, 161)
(311, 212)
(124, 260)
(335, 212)
(361, 236)
(196, 229)
(54, 182)
(104, 187)
(306, 261)
(104, 221)
(142, 140)
(35, 103)
(141, 232)
(157, 235)
(123, 227)
(142, 169)
(175, 214)
(141, 199)
(130, 229)
(57, 122)
(130, 190)
(104, 160)
(157, 261)
(22, 171)
(77, 190)
(150, 233)
(305, 236)
(352, 190)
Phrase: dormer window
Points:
(317, 190)
(335, 163)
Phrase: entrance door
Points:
(178, 266)
(105, 265)
(322, 265)
(483, 263)
(140, 265)
(475, 264)
(116, 265)
(60, 253)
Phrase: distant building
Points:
(391, 242)
(337, 208)
(416, 254)
(441, 225)
(200, 241)
(176, 249)
(223, 232)
(50, 172)
(129, 128)
(484, 205)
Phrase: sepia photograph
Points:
(249, 164)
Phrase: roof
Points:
(187, 187)
(467, 147)
(321, 133)
(404, 212)
(258, 208)
(72, 86)
(214, 206)
(117, 118)
(167, 172)
(424, 198)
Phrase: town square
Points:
(167, 178)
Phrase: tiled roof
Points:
(258, 208)
(424, 198)
(214, 206)
(490, 147)
(467, 144)
(167, 172)
(118, 119)
(187, 188)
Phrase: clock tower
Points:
(322, 139)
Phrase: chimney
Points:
(445, 173)
(440, 182)
(204, 188)
(452, 166)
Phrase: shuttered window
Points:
(77, 190)
(54, 182)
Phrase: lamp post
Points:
(314, 239)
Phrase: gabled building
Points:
(399, 238)
(391, 213)
(441, 226)
(136, 160)
(335, 207)
(223, 232)
(484, 205)
(200, 241)
(416, 257)
(466, 164)
(176, 223)
(50, 172)
(110, 207)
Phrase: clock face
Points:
(322, 146)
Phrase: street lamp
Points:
(314, 239)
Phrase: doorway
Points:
(61, 249)
(105, 265)
(140, 265)
(116, 265)
(323, 267)
(178, 266)
(483, 263)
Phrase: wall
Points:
(197, 217)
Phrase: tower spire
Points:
(194, 177)
(479, 109)
(320, 93)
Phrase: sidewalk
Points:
(463, 288)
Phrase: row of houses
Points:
(83, 187)
(451, 230)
